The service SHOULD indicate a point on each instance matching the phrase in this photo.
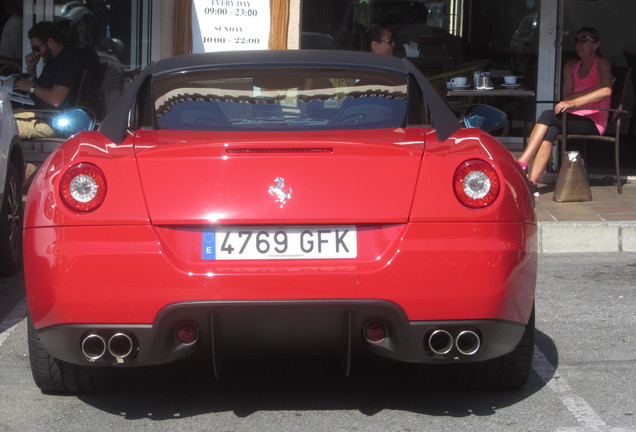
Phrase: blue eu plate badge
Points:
(209, 245)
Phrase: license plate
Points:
(298, 242)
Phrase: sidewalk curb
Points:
(581, 237)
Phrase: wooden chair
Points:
(613, 131)
(9, 68)
(92, 91)
(631, 63)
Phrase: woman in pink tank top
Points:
(587, 82)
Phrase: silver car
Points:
(11, 179)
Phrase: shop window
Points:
(450, 36)
(110, 37)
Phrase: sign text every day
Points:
(231, 3)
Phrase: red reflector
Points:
(187, 333)
(375, 331)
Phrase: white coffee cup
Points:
(459, 81)
(510, 80)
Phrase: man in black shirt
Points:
(55, 88)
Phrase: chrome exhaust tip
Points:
(468, 342)
(93, 347)
(120, 346)
(440, 342)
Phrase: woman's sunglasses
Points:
(583, 40)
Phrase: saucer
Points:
(511, 85)
(459, 87)
(484, 88)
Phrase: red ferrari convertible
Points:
(280, 202)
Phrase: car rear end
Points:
(256, 226)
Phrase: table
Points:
(497, 91)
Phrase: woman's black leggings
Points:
(576, 124)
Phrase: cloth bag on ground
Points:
(573, 183)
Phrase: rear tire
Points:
(11, 223)
(508, 372)
(56, 376)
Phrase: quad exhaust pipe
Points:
(441, 342)
(467, 342)
(120, 345)
(93, 347)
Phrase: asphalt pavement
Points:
(582, 378)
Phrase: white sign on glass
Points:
(230, 25)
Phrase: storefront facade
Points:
(521, 37)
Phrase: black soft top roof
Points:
(279, 57)
(116, 121)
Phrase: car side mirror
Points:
(72, 121)
(484, 117)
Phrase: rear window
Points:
(279, 98)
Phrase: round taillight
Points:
(83, 187)
(476, 183)
(187, 333)
(375, 331)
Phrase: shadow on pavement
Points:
(251, 385)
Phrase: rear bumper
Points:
(141, 281)
(321, 327)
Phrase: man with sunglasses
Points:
(54, 88)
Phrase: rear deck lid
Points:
(199, 178)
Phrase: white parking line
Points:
(12, 320)
(578, 407)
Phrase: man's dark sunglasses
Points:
(37, 48)
(583, 39)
